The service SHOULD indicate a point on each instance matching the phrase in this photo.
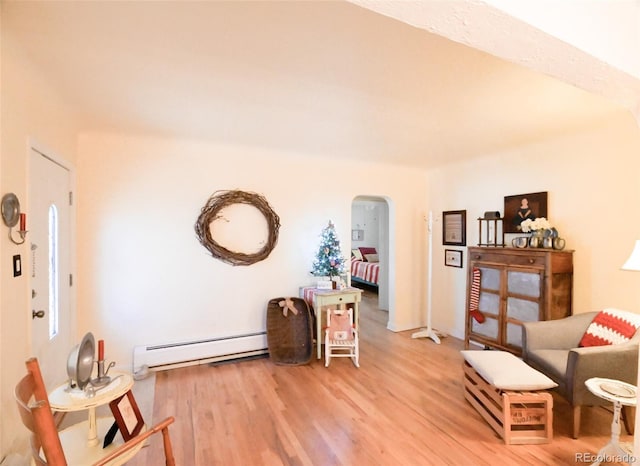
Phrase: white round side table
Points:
(619, 393)
(62, 398)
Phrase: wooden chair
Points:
(35, 411)
(341, 336)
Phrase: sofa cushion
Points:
(505, 371)
(611, 327)
(552, 362)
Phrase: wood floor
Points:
(403, 406)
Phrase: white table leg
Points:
(92, 439)
(318, 311)
(615, 424)
(613, 449)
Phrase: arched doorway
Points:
(371, 218)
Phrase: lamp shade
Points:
(633, 262)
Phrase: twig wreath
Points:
(218, 201)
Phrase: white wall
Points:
(365, 216)
(143, 276)
(30, 108)
(593, 199)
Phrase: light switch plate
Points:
(17, 265)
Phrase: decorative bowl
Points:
(80, 361)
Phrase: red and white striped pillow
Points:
(611, 327)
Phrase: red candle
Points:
(23, 222)
(100, 350)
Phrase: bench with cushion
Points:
(510, 396)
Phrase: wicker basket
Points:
(290, 337)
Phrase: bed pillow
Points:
(356, 254)
(610, 327)
(371, 258)
(364, 251)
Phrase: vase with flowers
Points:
(540, 230)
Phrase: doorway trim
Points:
(387, 253)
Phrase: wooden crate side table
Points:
(319, 298)
(519, 417)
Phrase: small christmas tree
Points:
(329, 261)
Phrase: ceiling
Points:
(318, 78)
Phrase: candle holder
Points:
(11, 215)
(22, 233)
(102, 379)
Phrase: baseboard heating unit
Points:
(173, 355)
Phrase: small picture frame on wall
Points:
(357, 235)
(453, 258)
(521, 207)
(454, 228)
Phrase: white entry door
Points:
(49, 226)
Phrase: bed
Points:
(365, 267)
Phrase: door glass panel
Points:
(514, 335)
(522, 309)
(53, 272)
(489, 328)
(489, 278)
(489, 302)
(524, 283)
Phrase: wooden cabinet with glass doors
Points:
(516, 285)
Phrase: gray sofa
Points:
(552, 348)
